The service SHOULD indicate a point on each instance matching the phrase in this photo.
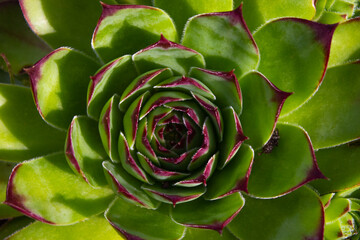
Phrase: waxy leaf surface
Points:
(29, 136)
(57, 195)
(59, 83)
(125, 29)
(206, 34)
(294, 54)
(290, 164)
(332, 116)
(296, 216)
(96, 228)
(155, 225)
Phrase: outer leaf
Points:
(213, 215)
(94, 228)
(258, 12)
(288, 166)
(59, 82)
(164, 54)
(23, 134)
(262, 105)
(125, 29)
(13, 225)
(332, 116)
(20, 49)
(345, 47)
(198, 233)
(63, 23)
(224, 40)
(296, 216)
(113, 78)
(57, 196)
(155, 225)
(5, 171)
(294, 54)
(182, 10)
(341, 165)
(84, 150)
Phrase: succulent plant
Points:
(180, 119)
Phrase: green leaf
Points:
(95, 228)
(289, 164)
(23, 134)
(165, 54)
(224, 41)
(155, 225)
(59, 83)
(262, 105)
(109, 127)
(56, 195)
(63, 23)
(127, 187)
(138, 2)
(224, 85)
(215, 214)
(342, 174)
(13, 225)
(113, 78)
(331, 116)
(125, 29)
(294, 54)
(296, 216)
(198, 233)
(84, 150)
(19, 44)
(182, 10)
(344, 46)
(5, 171)
(258, 12)
(233, 177)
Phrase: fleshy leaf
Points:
(299, 215)
(337, 208)
(345, 47)
(20, 50)
(113, 78)
(13, 225)
(155, 225)
(142, 143)
(127, 187)
(127, 160)
(59, 82)
(294, 55)
(233, 136)
(288, 164)
(206, 34)
(165, 53)
(23, 134)
(174, 195)
(189, 8)
(67, 199)
(331, 116)
(110, 126)
(341, 165)
(198, 233)
(224, 85)
(125, 29)
(262, 105)
(84, 150)
(141, 84)
(233, 177)
(95, 228)
(213, 215)
(65, 23)
(258, 12)
(5, 171)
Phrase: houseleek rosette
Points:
(177, 135)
